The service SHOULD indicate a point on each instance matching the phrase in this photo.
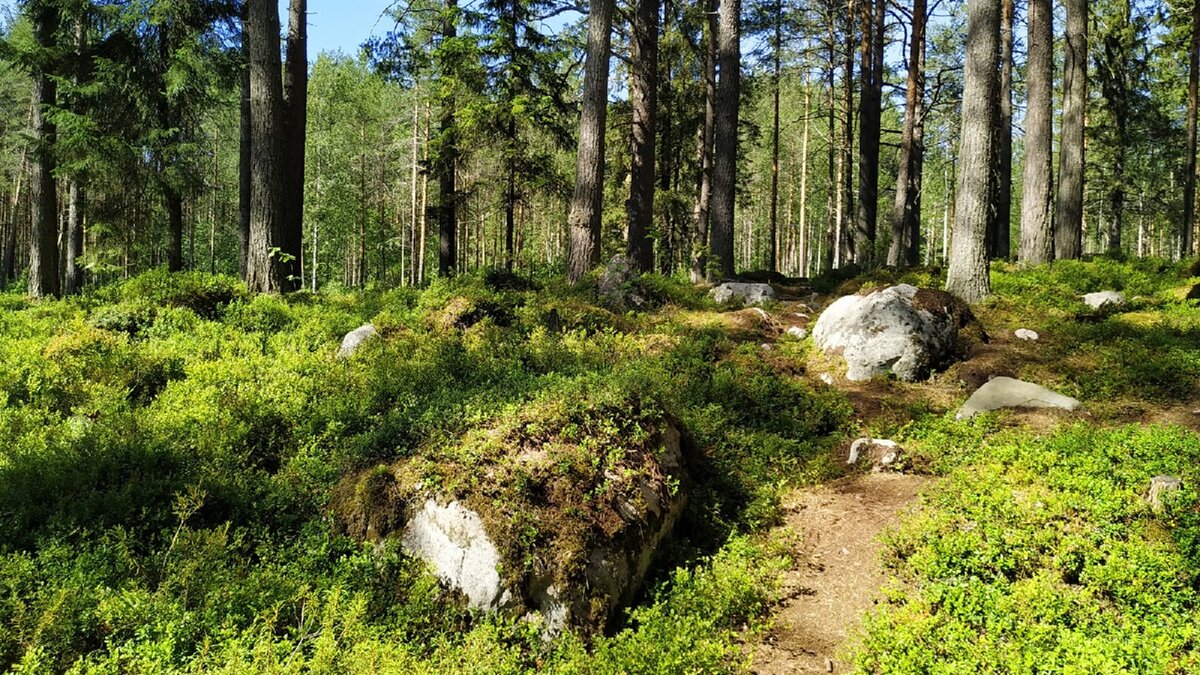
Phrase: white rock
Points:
(1026, 334)
(797, 332)
(882, 331)
(751, 294)
(1159, 486)
(1006, 392)
(827, 378)
(452, 540)
(1101, 299)
(882, 452)
(355, 339)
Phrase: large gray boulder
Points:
(1104, 300)
(355, 339)
(900, 329)
(1006, 392)
(750, 294)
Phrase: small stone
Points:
(1104, 299)
(766, 347)
(355, 339)
(797, 332)
(827, 378)
(1160, 486)
(1026, 334)
(882, 453)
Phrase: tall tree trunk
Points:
(264, 273)
(704, 146)
(1037, 235)
(869, 117)
(777, 48)
(245, 145)
(643, 97)
(9, 253)
(1188, 232)
(906, 211)
(43, 242)
(295, 106)
(845, 196)
(588, 200)
(173, 202)
(999, 224)
(968, 273)
(803, 226)
(1068, 219)
(825, 261)
(725, 133)
(73, 274)
(669, 157)
(446, 161)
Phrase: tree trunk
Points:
(295, 107)
(173, 202)
(73, 274)
(725, 132)
(446, 159)
(845, 197)
(906, 210)
(1189, 190)
(264, 271)
(643, 97)
(244, 183)
(999, 225)
(968, 273)
(777, 48)
(43, 242)
(1037, 234)
(825, 261)
(704, 146)
(1068, 220)
(588, 200)
(869, 117)
(803, 226)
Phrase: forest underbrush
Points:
(170, 448)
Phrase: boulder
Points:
(900, 329)
(1159, 487)
(880, 453)
(1006, 392)
(1026, 334)
(1104, 300)
(355, 339)
(617, 290)
(536, 531)
(750, 294)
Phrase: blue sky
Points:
(332, 24)
(342, 24)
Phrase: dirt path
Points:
(838, 575)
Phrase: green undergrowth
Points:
(169, 446)
(1041, 554)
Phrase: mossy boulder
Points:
(556, 511)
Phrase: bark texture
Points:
(1189, 192)
(967, 276)
(1068, 218)
(1000, 227)
(869, 102)
(587, 202)
(43, 240)
(295, 95)
(704, 145)
(726, 136)
(264, 273)
(1037, 235)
